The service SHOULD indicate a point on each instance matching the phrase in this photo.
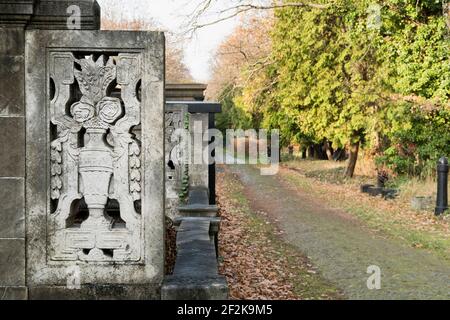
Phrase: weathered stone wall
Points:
(176, 152)
(187, 101)
(26, 133)
(82, 160)
(52, 15)
(15, 18)
(185, 92)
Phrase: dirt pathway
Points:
(341, 247)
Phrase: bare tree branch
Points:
(239, 9)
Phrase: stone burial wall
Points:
(87, 161)
(176, 153)
(15, 18)
(95, 190)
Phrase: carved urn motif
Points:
(96, 112)
(95, 158)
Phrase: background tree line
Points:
(339, 75)
(176, 69)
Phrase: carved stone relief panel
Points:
(175, 155)
(95, 160)
(103, 207)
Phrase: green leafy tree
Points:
(231, 117)
(340, 73)
(326, 77)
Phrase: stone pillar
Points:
(176, 153)
(95, 193)
(15, 18)
(202, 119)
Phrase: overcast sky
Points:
(171, 15)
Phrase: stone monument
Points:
(88, 162)
(15, 18)
(95, 189)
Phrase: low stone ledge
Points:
(13, 293)
(149, 291)
(198, 210)
(194, 288)
(214, 225)
(198, 204)
(195, 275)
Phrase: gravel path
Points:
(341, 247)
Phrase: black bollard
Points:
(442, 186)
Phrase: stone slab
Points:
(12, 85)
(214, 222)
(195, 275)
(12, 262)
(194, 288)
(12, 138)
(198, 169)
(41, 271)
(198, 195)
(12, 215)
(13, 293)
(149, 291)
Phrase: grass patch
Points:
(394, 218)
(326, 171)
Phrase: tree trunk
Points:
(354, 149)
(329, 150)
(291, 150)
(304, 153)
(311, 152)
(317, 152)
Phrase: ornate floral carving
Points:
(95, 77)
(175, 161)
(135, 171)
(56, 165)
(96, 109)
(82, 111)
(106, 165)
(109, 109)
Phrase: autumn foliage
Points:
(350, 75)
